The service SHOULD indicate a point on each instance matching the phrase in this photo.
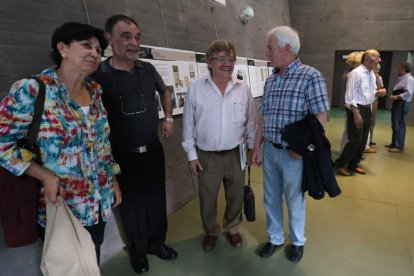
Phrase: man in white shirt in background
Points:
(218, 119)
(361, 91)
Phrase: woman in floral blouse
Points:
(74, 133)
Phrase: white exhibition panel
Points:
(180, 68)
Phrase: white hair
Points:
(286, 35)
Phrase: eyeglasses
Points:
(223, 60)
(88, 45)
(130, 107)
(126, 112)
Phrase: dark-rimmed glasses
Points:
(135, 112)
(123, 110)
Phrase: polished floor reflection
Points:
(367, 230)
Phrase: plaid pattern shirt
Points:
(288, 98)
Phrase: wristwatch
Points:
(171, 120)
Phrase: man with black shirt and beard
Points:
(129, 87)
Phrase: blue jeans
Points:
(283, 175)
(399, 112)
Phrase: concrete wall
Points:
(25, 32)
(326, 26)
(26, 27)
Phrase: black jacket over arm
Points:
(307, 138)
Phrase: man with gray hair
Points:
(290, 93)
(401, 98)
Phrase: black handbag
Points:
(19, 195)
(397, 92)
(249, 205)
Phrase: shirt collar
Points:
(107, 67)
(49, 75)
(290, 68)
(365, 68)
(404, 76)
(233, 80)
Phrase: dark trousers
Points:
(399, 112)
(143, 207)
(357, 139)
(97, 235)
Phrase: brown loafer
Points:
(209, 242)
(359, 170)
(343, 171)
(370, 150)
(395, 150)
(235, 239)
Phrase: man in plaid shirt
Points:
(290, 93)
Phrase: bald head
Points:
(371, 58)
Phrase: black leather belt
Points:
(226, 151)
(141, 149)
(221, 151)
(280, 146)
(364, 105)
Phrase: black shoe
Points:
(372, 143)
(164, 252)
(268, 249)
(389, 146)
(139, 264)
(295, 253)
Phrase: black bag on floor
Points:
(249, 205)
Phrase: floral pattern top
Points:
(73, 145)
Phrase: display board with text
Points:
(180, 68)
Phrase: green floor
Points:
(368, 230)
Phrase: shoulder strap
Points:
(38, 111)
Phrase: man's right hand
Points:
(381, 92)
(358, 120)
(195, 166)
(256, 157)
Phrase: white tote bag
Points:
(68, 249)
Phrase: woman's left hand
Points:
(49, 181)
(117, 191)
